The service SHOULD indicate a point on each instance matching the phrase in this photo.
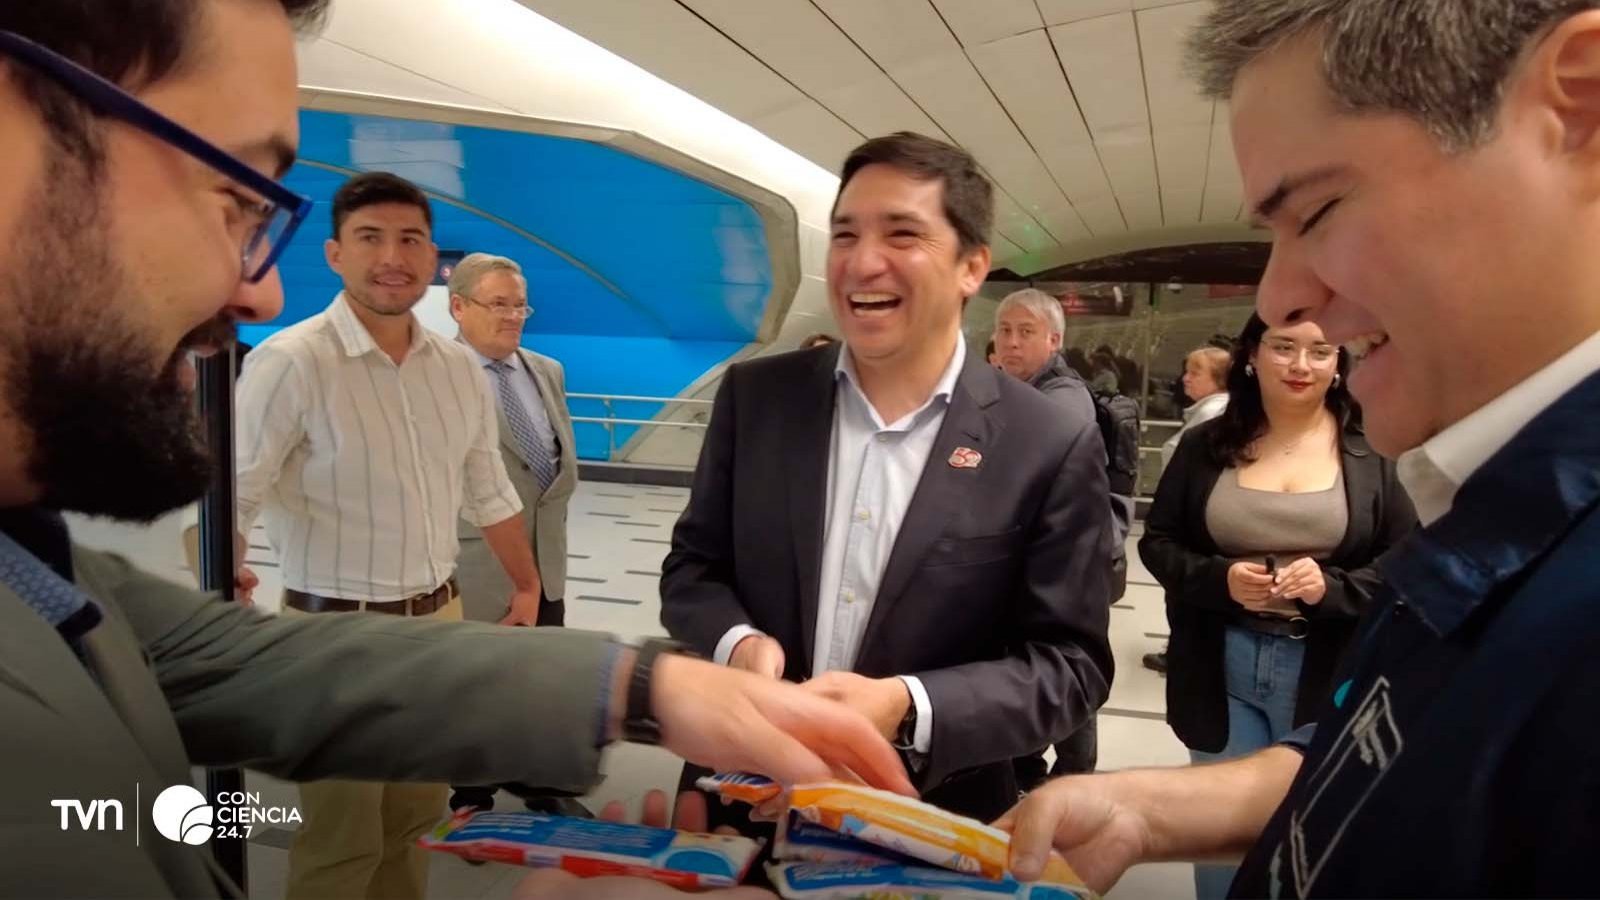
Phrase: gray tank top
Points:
(1250, 524)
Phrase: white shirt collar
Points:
(946, 386)
(354, 335)
(1435, 471)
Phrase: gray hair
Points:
(1046, 307)
(1443, 63)
(464, 279)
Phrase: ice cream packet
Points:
(589, 847)
(916, 829)
(824, 881)
(746, 788)
(801, 841)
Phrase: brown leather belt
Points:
(420, 605)
(1294, 627)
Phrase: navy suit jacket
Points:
(1456, 756)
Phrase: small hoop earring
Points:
(1249, 370)
(1336, 379)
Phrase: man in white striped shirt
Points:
(362, 435)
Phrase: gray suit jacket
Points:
(484, 585)
(180, 678)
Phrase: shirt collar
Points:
(847, 367)
(1508, 512)
(1435, 471)
(354, 335)
(513, 359)
(845, 370)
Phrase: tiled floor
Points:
(618, 535)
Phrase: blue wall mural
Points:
(641, 278)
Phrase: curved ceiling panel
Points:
(612, 244)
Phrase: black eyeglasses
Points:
(274, 218)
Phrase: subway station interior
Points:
(663, 171)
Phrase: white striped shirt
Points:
(359, 466)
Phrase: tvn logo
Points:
(94, 812)
(181, 814)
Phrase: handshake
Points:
(835, 726)
(883, 701)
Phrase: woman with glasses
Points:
(1263, 533)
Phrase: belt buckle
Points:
(431, 597)
(1299, 627)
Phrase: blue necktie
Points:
(534, 451)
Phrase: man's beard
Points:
(369, 299)
(110, 435)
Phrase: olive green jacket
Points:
(175, 678)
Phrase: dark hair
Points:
(968, 194)
(1245, 418)
(373, 188)
(133, 43)
(1078, 361)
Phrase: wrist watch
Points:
(639, 724)
(905, 738)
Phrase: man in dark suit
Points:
(902, 527)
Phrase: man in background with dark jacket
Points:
(1028, 327)
(1027, 337)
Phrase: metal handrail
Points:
(643, 423)
(610, 421)
(631, 399)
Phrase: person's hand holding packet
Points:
(1082, 818)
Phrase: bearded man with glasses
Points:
(128, 242)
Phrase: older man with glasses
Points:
(527, 390)
(129, 242)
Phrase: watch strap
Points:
(639, 724)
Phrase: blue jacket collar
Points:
(1506, 516)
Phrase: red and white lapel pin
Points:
(965, 458)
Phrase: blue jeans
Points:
(1262, 672)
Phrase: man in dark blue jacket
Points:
(1430, 172)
